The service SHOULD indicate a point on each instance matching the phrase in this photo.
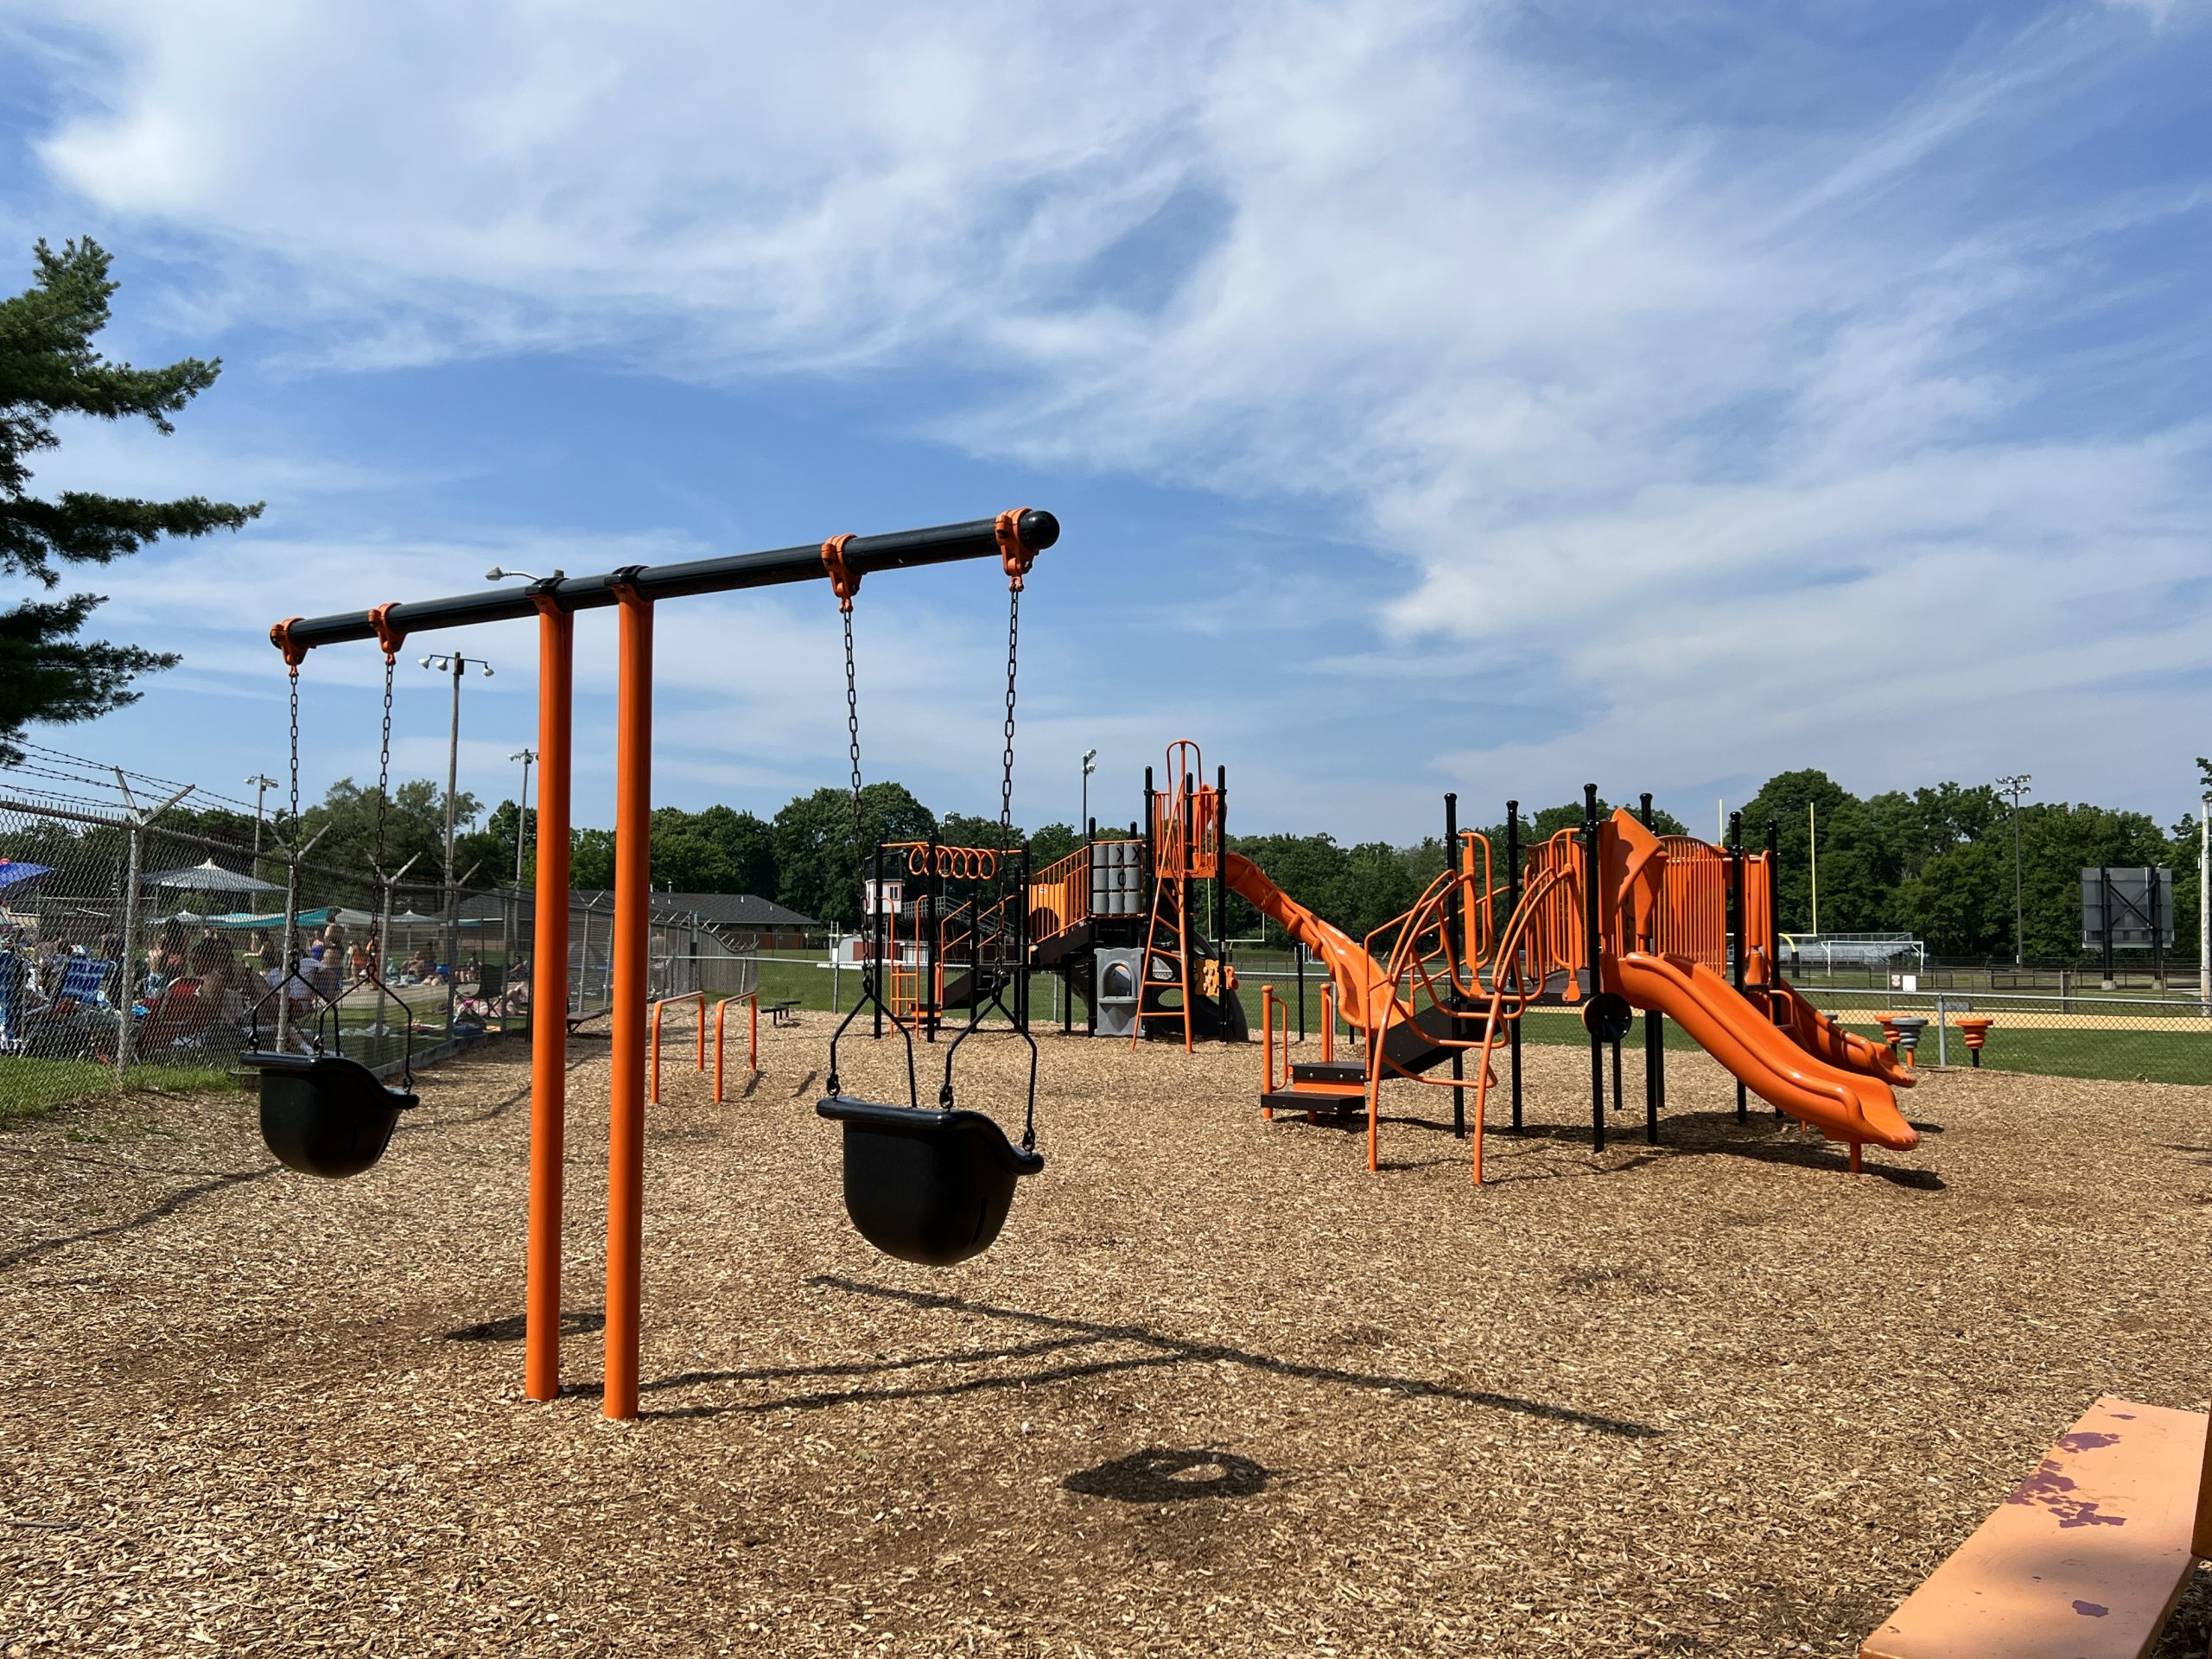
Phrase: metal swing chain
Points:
(295, 763)
(852, 731)
(1012, 664)
(1006, 814)
(860, 827)
(384, 765)
(383, 801)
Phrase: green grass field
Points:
(32, 1087)
(2146, 1054)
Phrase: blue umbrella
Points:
(11, 872)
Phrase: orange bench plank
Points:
(2084, 1560)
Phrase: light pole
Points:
(456, 665)
(1090, 766)
(2017, 786)
(522, 807)
(261, 786)
(2203, 910)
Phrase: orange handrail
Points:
(752, 999)
(700, 997)
(1528, 970)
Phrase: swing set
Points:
(929, 1185)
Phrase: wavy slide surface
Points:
(1362, 986)
(1842, 1105)
(1822, 1037)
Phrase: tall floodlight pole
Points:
(261, 786)
(522, 807)
(2017, 786)
(1090, 766)
(456, 665)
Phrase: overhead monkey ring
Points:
(957, 863)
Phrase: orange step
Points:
(2084, 1560)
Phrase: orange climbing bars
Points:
(700, 997)
(752, 1001)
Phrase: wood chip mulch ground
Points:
(1217, 1389)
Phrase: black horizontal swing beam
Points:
(900, 550)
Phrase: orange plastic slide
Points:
(1820, 1036)
(1363, 988)
(1842, 1105)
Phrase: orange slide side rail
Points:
(752, 1001)
(700, 997)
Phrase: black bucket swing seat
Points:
(322, 1113)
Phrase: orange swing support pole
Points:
(625, 1132)
(548, 1003)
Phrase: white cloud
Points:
(1653, 399)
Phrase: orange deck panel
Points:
(2084, 1560)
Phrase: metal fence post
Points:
(126, 969)
(1942, 1056)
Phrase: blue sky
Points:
(1488, 396)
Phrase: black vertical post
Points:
(1221, 891)
(2104, 912)
(1298, 960)
(1590, 876)
(1452, 925)
(1773, 1003)
(875, 943)
(1773, 914)
(2158, 934)
(1737, 930)
(1655, 1038)
(1183, 911)
(1149, 876)
(1513, 903)
(1091, 903)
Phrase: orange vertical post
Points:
(548, 1004)
(626, 1128)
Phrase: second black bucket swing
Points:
(933, 1186)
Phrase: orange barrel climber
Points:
(1974, 1028)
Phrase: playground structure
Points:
(1123, 923)
(1615, 919)
(328, 1115)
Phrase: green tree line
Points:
(1936, 863)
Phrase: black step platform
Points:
(1306, 1100)
(1338, 1071)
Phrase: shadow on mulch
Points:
(169, 1206)
(513, 1327)
(1696, 1134)
(1166, 1351)
(1161, 1474)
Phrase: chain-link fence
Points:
(133, 953)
